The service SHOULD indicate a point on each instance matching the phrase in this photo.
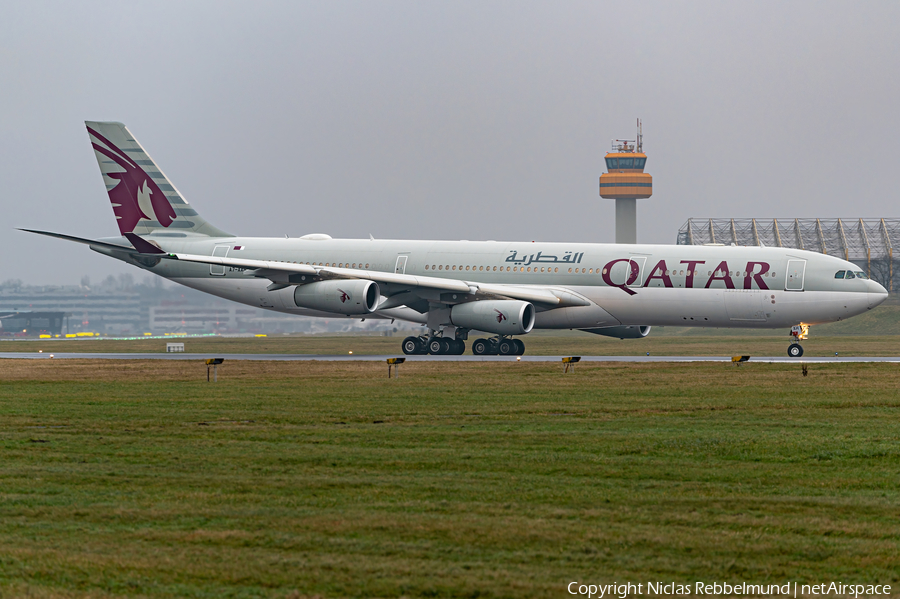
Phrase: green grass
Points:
(456, 480)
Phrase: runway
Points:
(463, 358)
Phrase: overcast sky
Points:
(445, 120)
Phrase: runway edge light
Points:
(214, 363)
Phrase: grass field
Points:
(456, 480)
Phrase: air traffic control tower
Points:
(626, 183)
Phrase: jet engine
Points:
(504, 317)
(629, 331)
(345, 296)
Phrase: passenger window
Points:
(839, 274)
(850, 275)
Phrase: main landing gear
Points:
(456, 346)
(503, 346)
(436, 346)
(800, 333)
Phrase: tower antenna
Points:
(640, 137)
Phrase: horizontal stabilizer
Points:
(103, 244)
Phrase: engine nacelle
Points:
(345, 296)
(504, 317)
(622, 331)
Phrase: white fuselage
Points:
(705, 286)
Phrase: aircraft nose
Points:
(877, 294)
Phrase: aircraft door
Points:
(796, 272)
(745, 305)
(220, 251)
(400, 267)
(637, 266)
(627, 272)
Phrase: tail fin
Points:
(143, 199)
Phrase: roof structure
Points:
(868, 242)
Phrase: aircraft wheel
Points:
(507, 347)
(411, 346)
(458, 347)
(520, 346)
(438, 346)
(795, 350)
(481, 347)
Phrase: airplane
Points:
(505, 289)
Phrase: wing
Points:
(400, 289)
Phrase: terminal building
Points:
(867, 242)
(33, 323)
(220, 316)
(85, 311)
(78, 310)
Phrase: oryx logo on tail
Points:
(136, 196)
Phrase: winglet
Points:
(142, 245)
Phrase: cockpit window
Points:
(861, 275)
(839, 274)
(850, 275)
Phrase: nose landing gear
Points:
(800, 333)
